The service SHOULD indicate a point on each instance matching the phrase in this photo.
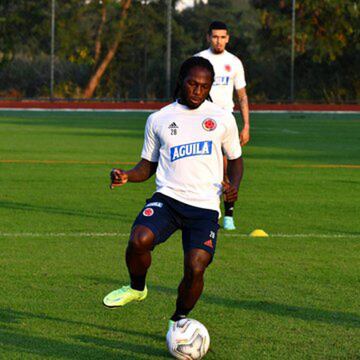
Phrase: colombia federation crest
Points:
(209, 124)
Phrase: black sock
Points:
(229, 208)
(137, 282)
(180, 313)
(178, 317)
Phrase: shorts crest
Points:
(148, 212)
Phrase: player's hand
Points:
(244, 135)
(230, 192)
(118, 178)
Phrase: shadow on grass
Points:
(113, 344)
(270, 307)
(91, 347)
(128, 123)
(120, 134)
(55, 210)
(10, 316)
(83, 128)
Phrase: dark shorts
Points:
(164, 215)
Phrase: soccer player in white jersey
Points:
(229, 75)
(183, 145)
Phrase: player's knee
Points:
(141, 239)
(194, 272)
(196, 262)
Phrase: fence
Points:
(120, 49)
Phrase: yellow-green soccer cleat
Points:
(124, 295)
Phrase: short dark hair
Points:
(185, 68)
(217, 25)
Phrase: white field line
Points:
(153, 110)
(115, 234)
(287, 131)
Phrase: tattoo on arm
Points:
(244, 102)
(244, 106)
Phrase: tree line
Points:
(116, 48)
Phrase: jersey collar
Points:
(185, 108)
(219, 55)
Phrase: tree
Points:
(326, 32)
(111, 48)
(20, 32)
(23, 41)
(116, 48)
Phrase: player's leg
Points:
(199, 234)
(153, 225)
(192, 284)
(228, 222)
(138, 255)
(138, 260)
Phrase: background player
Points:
(183, 144)
(229, 74)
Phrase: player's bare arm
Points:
(244, 109)
(143, 170)
(234, 173)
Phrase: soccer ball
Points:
(188, 339)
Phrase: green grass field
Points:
(63, 233)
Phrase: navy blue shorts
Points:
(164, 215)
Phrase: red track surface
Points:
(154, 105)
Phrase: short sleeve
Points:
(151, 147)
(231, 142)
(239, 79)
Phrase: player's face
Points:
(218, 40)
(196, 87)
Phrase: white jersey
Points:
(187, 144)
(229, 74)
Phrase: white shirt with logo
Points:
(229, 74)
(187, 144)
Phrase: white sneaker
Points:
(229, 223)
